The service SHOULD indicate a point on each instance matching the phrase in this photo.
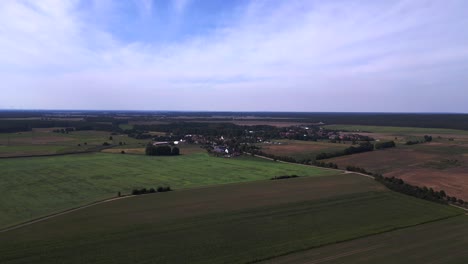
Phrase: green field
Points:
(44, 142)
(397, 130)
(444, 241)
(235, 223)
(126, 126)
(33, 187)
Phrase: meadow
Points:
(443, 241)
(37, 186)
(46, 142)
(235, 223)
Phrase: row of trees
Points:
(165, 150)
(425, 193)
(363, 147)
(284, 177)
(151, 190)
(401, 186)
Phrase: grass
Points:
(126, 126)
(235, 223)
(33, 187)
(46, 142)
(397, 130)
(185, 149)
(443, 241)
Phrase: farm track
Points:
(62, 213)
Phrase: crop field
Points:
(299, 149)
(44, 141)
(441, 166)
(33, 187)
(235, 223)
(185, 149)
(443, 241)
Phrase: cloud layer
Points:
(260, 55)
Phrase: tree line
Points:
(399, 185)
(151, 190)
(413, 142)
(164, 150)
(284, 177)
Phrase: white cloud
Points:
(306, 56)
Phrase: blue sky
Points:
(386, 56)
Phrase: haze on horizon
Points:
(337, 56)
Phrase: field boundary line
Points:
(345, 254)
(43, 218)
(356, 238)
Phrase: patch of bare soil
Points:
(453, 181)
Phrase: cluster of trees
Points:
(387, 144)
(151, 190)
(413, 142)
(284, 177)
(64, 130)
(363, 147)
(164, 150)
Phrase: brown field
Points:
(437, 165)
(301, 149)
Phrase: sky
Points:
(311, 56)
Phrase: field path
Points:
(62, 213)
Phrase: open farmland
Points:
(397, 130)
(185, 149)
(443, 241)
(235, 223)
(441, 166)
(46, 142)
(299, 149)
(43, 185)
